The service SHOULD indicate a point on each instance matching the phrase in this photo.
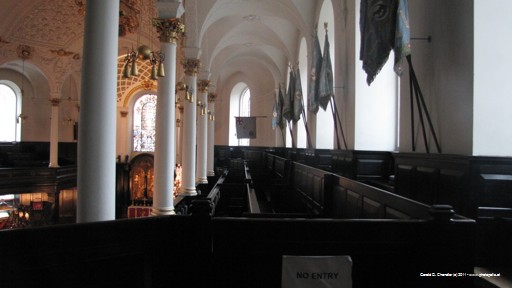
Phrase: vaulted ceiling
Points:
(245, 39)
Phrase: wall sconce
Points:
(21, 118)
(130, 65)
(144, 53)
(202, 106)
(157, 58)
(211, 117)
(68, 121)
(189, 96)
(180, 86)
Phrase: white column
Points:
(165, 149)
(54, 133)
(97, 132)
(122, 133)
(179, 134)
(188, 186)
(210, 165)
(202, 133)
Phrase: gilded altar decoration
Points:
(142, 178)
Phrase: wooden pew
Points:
(385, 253)
(142, 252)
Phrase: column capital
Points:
(191, 66)
(211, 97)
(55, 101)
(202, 85)
(169, 30)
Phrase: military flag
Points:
(325, 88)
(384, 26)
(288, 98)
(245, 127)
(297, 100)
(315, 77)
(280, 99)
(277, 116)
(402, 46)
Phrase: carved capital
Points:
(211, 97)
(55, 101)
(169, 30)
(191, 66)
(202, 85)
(123, 113)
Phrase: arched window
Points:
(10, 107)
(325, 134)
(144, 117)
(239, 105)
(245, 110)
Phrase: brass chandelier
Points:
(156, 60)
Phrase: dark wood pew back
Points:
(385, 253)
(142, 252)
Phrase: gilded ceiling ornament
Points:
(129, 13)
(3, 41)
(81, 6)
(25, 52)
(146, 85)
(61, 52)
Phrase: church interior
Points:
(186, 143)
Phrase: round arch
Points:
(10, 111)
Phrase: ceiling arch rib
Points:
(235, 28)
(244, 60)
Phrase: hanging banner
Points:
(245, 127)
(316, 272)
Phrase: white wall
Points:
(375, 105)
(444, 68)
(492, 134)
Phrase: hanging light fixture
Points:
(157, 58)
(130, 65)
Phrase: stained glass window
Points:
(144, 118)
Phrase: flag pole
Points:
(291, 134)
(283, 135)
(310, 145)
(421, 100)
(411, 92)
(335, 125)
(339, 121)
